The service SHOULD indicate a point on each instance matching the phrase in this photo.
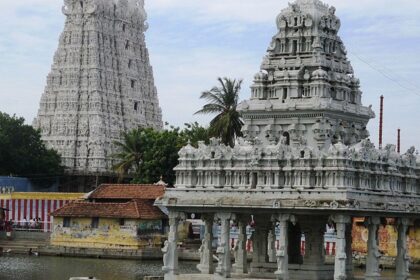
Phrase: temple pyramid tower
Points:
(100, 85)
(306, 92)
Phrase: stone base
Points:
(373, 277)
(213, 277)
(239, 269)
(263, 269)
(311, 272)
(296, 271)
(204, 269)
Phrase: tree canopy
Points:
(22, 152)
(223, 101)
(146, 154)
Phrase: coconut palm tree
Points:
(223, 101)
(130, 153)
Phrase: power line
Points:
(386, 75)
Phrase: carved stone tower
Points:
(305, 161)
(306, 92)
(100, 85)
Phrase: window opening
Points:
(254, 180)
(95, 222)
(287, 138)
(294, 47)
(66, 222)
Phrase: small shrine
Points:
(305, 161)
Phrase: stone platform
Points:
(246, 277)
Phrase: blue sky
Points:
(192, 42)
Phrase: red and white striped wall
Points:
(19, 209)
(33, 205)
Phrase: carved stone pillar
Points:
(224, 266)
(241, 263)
(206, 252)
(170, 252)
(373, 255)
(282, 254)
(340, 264)
(402, 262)
(349, 250)
(272, 244)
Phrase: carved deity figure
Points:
(280, 254)
(204, 258)
(166, 256)
(220, 252)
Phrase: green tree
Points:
(130, 155)
(146, 154)
(22, 152)
(193, 133)
(223, 101)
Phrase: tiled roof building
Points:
(112, 216)
(110, 191)
(135, 209)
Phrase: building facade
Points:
(101, 84)
(112, 217)
(305, 161)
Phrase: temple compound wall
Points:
(100, 85)
(305, 161)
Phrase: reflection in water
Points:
(62, 268)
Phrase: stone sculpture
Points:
(166, 255)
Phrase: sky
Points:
(192, 42)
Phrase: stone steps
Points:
(22, 246)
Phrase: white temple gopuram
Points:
(305, 161)
(100, 85)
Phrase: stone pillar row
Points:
(313, 254)
(402, 261)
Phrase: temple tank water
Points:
(62, 268)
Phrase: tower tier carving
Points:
(100, 85)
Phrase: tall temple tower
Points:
(306, 92)
(100, 85)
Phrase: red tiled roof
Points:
(108, 191)
(135, 209)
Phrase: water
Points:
(62, 268)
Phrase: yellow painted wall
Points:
(387, 240)
(109, 234)
(42, 195)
